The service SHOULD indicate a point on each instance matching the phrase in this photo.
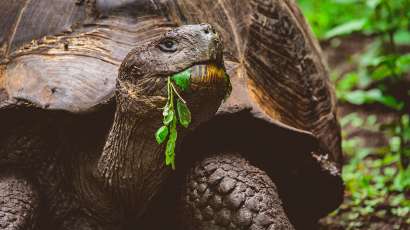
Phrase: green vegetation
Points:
(169, 128)
(377, 178)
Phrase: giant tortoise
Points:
(82, 88)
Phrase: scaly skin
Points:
(101, 170)
(225, 191)
(19, 202)
(64, 56)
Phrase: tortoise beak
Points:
(207, 75)
(211, 74)
(215, 46)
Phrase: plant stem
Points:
(175, 90)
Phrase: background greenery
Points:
(374, 96)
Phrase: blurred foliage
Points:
(330, 18)
(375, 184)
(377, 179)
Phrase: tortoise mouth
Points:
(215, 60)
(208, 75)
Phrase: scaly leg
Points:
(226, 192)
(19, 203)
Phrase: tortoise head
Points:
(194, 50)
(131, 163)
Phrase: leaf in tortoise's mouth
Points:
(193, 78)
(200, 76)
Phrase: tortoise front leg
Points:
(226, 192)
(19, 202)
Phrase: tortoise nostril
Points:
(208, 29)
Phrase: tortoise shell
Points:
(64, 55)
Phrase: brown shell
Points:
(278, 74)
(65, 57)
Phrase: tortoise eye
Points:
(168, 45)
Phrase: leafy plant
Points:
(377, 179)
(379, 78)
(170, 114)
(330, 18)
(323, 15)
(374, 185)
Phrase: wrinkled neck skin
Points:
(131, 168)
(119, 183)
(131, 162)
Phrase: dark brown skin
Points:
(132, 164)
(114, 188)
(225, 191)
(19, 202)
(118, 183)
(66, 58)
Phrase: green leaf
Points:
(372, 4)
(182, 79)
(394, 144)
(382, 72)
(376, 95)
(170, 149)
(166, 109)
(360, 97)
(402, 180)
(348, 82)
(402, 37)
(161, 134)
(346, 28)
(357, 97)
(168, 112)
(403, 63)
(391, 102)
(168, 117)
(184, 114)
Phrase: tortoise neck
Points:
(132, 165)
(131, 168)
